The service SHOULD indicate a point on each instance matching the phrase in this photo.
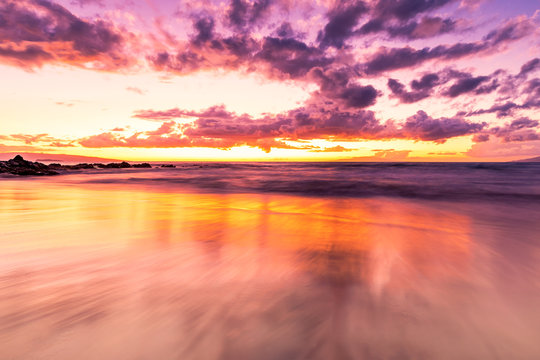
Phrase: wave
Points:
(450, 181)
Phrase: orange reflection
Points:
(178, 274)
(379, 242)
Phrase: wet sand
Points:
(113, 271)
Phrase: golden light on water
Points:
(185, 273)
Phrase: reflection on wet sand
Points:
(139, 273)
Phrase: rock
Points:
(122, 165)
(19, 166)
(82, 166)
(168, 166)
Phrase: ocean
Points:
(273, 261)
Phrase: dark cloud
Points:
(238, 13)
(423, 87)
(531, 89)
(425, 28)
(285, 30)
(217, 111)
(426, 82)
(290, 56)
(480, 138)
(38, 23)
(335, 84)
(521, 129)
(487, 88)
(406, 9)
(371, 26)
(218, 126)
(205, 29)
(463, 86)
(341, 21)
(28, 56)
(407, 97)
(358, 96)
(423, 127)
(522, 123)
(243, 13)
(398, 58)
(218, 53)
(512, 30)
(529, 66)
(507, 108)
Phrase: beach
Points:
(272, 261)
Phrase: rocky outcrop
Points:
(122, 165)
(72, 167)
(19, 166)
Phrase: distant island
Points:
(533, 159)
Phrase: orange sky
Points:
(276, 81)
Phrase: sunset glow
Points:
(442, 80)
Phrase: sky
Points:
(276, 80)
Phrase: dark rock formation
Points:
(72, 167)
(143, 165)
(19, 166)
(122, 165)
(168, 166)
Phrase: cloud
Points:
(514, 29)
(383, 155)
(291, 57)
(229, 129)
(26, 56)
(30, 139)
(386, 59)
(82, 3)
(43, 139)
(529, 67)
(34, 32)
(217, 111)
(465, 85)
(507, 108)
(425, 28)
(407, 97)
(136, 90)
(243, 13)
(497, 148)
(165, 128)
(406, 9)
(521, 129)
(423, 127)
(341, 21)
(204, 27)
(337, 148)
(336, 85)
